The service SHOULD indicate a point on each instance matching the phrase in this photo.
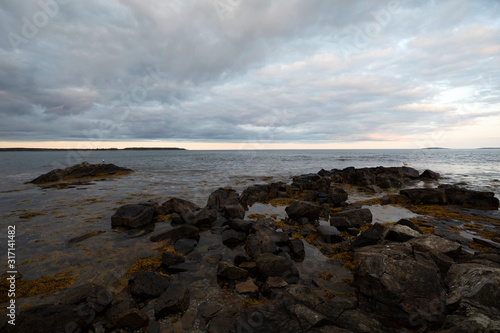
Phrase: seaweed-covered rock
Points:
(354, 218)
(80, 171)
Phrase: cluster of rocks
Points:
(403, 279)
(80, 171)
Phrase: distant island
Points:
(89, 149)
(489, 148)
(435, 148)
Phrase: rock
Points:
(297, 251)
(329, 234)
(373, 189)
(299, 209)
(230, 272)
(205, 217)
(247, 287)
(474, 283)
(370, 236)
(276, 282)
(234, 212)
(177, 205)
(259, 244)
(354, 218)
(312, 317)
(182, 211)
(231, 237)
(171, 259)
(471, 199)
(279, 238)
(125, 314)
(394, 284)
(400, 233)
(487, 243)
(379, 176)
(185, 245)
(90, 293)
(427, 196)
(263, 193)
(336, 196)
(429, 175)
(173, 235)
(208, 310)
(432, 243)
(240, 225)
(250, 267)
(80, 171)
(132, 216)
(145, 284)
(311, 182)
(410, 224)
(174, 299)
(272, 265)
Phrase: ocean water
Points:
(58, 215)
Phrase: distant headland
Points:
(89, 149)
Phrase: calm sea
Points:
(58, 215)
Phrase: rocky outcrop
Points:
(354, 218)
(303, 209)
(379, 176)
(396, 283)
(79, 172)
(452, 195)
(132, 216)
(226, 201)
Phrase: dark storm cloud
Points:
(240, 70)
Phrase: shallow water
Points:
(42, 240)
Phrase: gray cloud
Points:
(267, 71)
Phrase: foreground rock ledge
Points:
(80, 171)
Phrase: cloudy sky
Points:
(250, 74)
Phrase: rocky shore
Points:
(324, 267)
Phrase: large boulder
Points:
(132, 216)
(395, 283)
(228, 271)
(474, 283)
(429, 175)
(226, 201)
(173, 235)
(174, 299)
(471, 199)
(354, 218)
(80, 171)
(262, 193)
(433, 243)
(427, 196)
(145, 284)
(336, 196)
(184, 209)
(205, 217)
(270, 265)
(303, 209)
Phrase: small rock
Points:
(247, 287)
(429, 175)
(272, 265)
(231, 237)
(276, 282)
(410, 224)
(297, 251)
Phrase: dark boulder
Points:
(132, 216)
(175, 299)
(336, 196)
(234, 212)
(232, 237)
(303, 209)
(400, 233)
(171, 259)
(370, 236)
(297, 251)
(183, 211)
(395, 284)
(228, 271)
(185, 245)
(173, 235)
(270, 265)
(410, 224)
(429, 175)
(471, 199)
(125, 314)
(354, 218)
(205, 217)
(432, 243)
(80, 171)
(259, 244)
(427, 196)
(146, 285)
(240, 225)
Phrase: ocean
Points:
(46, 218)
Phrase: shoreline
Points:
(324, 255)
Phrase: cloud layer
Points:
(277, 71)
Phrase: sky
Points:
(250, 74)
